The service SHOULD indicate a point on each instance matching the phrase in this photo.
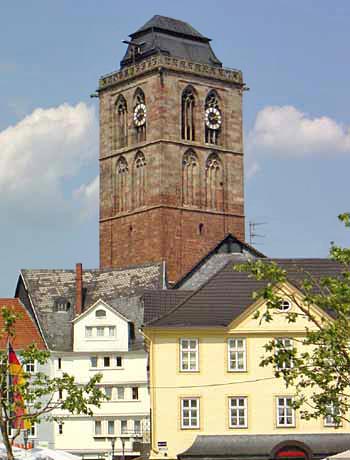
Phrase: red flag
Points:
(16, 380)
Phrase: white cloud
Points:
(88, 196)
(288, 132)
(42, 153)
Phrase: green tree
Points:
(319, 369)
(38, 391)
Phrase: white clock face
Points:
(140, 114)
(213, 118)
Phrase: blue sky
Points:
(294, 57)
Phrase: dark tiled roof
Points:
(45, 286)
(264, 446)
(228, 293)
(171, 37)
(26, 330)
(169, 25)
(157, 303)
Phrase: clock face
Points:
(140, 113)
(213, 118)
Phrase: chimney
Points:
(78, 289)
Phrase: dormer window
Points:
(61, 304)
(100, 313)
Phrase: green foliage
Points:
(317, 366)
(40, 392)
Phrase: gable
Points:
(247, 323)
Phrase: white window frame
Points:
(285, 407)
(234, 350)
(33, 367)
(124, 431)
(235, 411)
(108, 389)
(101, 425)
(89, 332)
(110, 329)
(328, 419)
(110, 361)
(121, 363)
(60, 428)
(185, 354)
(285, 306)
(290, 346)
(108, 425)
(33, 431)
(91, 366)
(138, 431)
(120, 388)
(191, 409)
(100, 331)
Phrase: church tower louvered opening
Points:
(171, 153)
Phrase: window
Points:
(237, 355)
(123, 426)
(60, 428)
(93, 361)
(137, 426)
(332, 410)
(135, 393)
(189, 355)
(190, 179)
(108, 392)
(88, 331)
(32, 431)
(214, 182)
(110, 427)
(121, 185)
(121, 113)
(98, 427)
(59, 363)
(106, 361)
(139, 180)
(285, 305)
(100, 331)
(284, 345)
(30, 367)
(188, 114)
(238, 412)
(285, 412)
(120, 392)
(100, 314)
(111, 331)
(60, 394)
(190, 413)
(118, 361)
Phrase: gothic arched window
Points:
(121, 115)
(121, 192)
(212, 118)
(188, 114)
(140, 115)
(190, 179)
(214, 182)
(139, 180)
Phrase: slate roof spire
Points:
(171, 37)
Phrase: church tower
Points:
(171, 150)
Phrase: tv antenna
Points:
(253, 232)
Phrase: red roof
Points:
(26, 330)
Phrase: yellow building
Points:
(209, 396)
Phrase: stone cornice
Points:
(171, 63)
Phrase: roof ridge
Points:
(191, 294)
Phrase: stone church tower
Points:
(171, 151)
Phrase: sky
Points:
(294, 58)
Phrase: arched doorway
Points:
(292, 451)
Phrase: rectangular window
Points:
(135, 393)
(110, 427)
(60, 394)
(137, 427)
(190, 413)
(237, 355)
(100, 331)
(60, 428)
(30, 367)
(108, 392)
(123, 426)
(98, 427)
(329, 418)
(59, 363)
(189, 355)
(106, 361)
(32, 431)
(118, 361)
(285, 411)
(93, 361)
(88, 331)
(111, 331)
(120, 392)
(238, 412)
(284, 344)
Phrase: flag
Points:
(16, 379)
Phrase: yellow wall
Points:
(213, 370)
